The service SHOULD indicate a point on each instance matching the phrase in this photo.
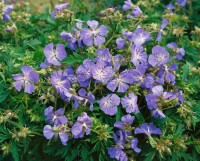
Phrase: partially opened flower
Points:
(6, 12)
(125, 123)
(88, 97)
(26, 79)
(159, 56)
(163, 25)
(148, 129)
(179, 52)
(109, 104)
(55, 56)
(130, 103)
(71, 40)
(135, 12)
(182, 3)
(120, 43)
(117, 151)
(167, 73)
(59, 8)
(60, 130)
(127, 5)
(82, 126)
(94, 35)
(134, 144)
(170, 7)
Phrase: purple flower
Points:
(69, 74)
(70, 95)
(164, 24)
(170, 7)
(179, 52)
(139, 77)
(135, 12)
(130, 103)
(158, 96)
(104, 56)
(94, 35)
(59, 81)
(101, 72)
(159, 56)
(84, 72)
(70, 39)
(127, 5)
(125, 123)
(120, 43)
(148, 129)
(89, 98)
(59, 8)
(140, 37)
(55, 56)
(117, 153)
(121, 82)
(182, 3)
(56, 117)
(167, 73)
(26, 79)
(134, 144)
(82, 126)
(138, 56)
(49, 132)
(109, 104)
(6, 12)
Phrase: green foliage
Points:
(21, 115)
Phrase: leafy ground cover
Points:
(100, 80)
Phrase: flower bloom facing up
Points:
(159, 56)
(59, 8)
(59, 81)
(6, 12)
(179, 52)
(138, 55)
(140, 37)
(130, 103)
(26, 79)
(109, 104)
(55, 56)
(148, 129)
(94, 35)
(56, 117)
(82, 126)
(101, 72)
(163, 25)
(121, 82)
(61, 130)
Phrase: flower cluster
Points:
(59, 125)
(114, 83)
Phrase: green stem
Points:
(111, 38)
